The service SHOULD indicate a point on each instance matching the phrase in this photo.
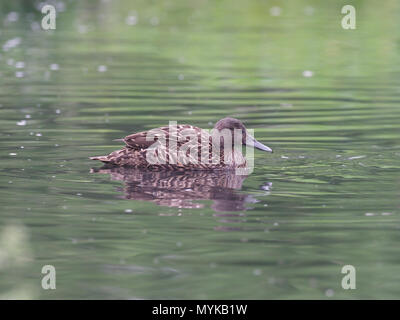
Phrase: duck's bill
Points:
(250, 141)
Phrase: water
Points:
(325, 99)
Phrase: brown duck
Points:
(185, 147)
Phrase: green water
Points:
(324, 98)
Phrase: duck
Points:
(185, 147)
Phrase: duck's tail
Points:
(104, 159)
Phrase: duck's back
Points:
(181, 147)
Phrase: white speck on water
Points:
(38, 134)
(21, 123)
(338, 156)
(56, 145)
(27, 116)
(10, 181)
(266, 186)
(60, 6)
(20, 64)
(13, 16)
(128, 210)
(79, 194)
(276, 224)
(257, 272)
(356, 157)
(154, 21)
(181, 77)
(131, 20)
(19, 74)
(179, 244)
(102, 68)
(54, 67)
(387, 213)
(369, 214)
(22, 147)
(58, 111)
(82, 29)
(284, 157)
(309, 10)
(275, 11)
(329, 293)
(12, 43)
(35, 26)
(12, 154)
(308, 73)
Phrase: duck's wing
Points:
(143, 140)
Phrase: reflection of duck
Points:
(180, 188)
(185, 147)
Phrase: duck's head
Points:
(235, 124)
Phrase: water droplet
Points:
(309, 10)
(20, 64)
(102, 68)
(13, 16)
(257, 272)
(329, 293)
(12, 43)
(356, 157)
(275, 11)
(54, 67)
(82, 29)
(131, 20)
(154, 21)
